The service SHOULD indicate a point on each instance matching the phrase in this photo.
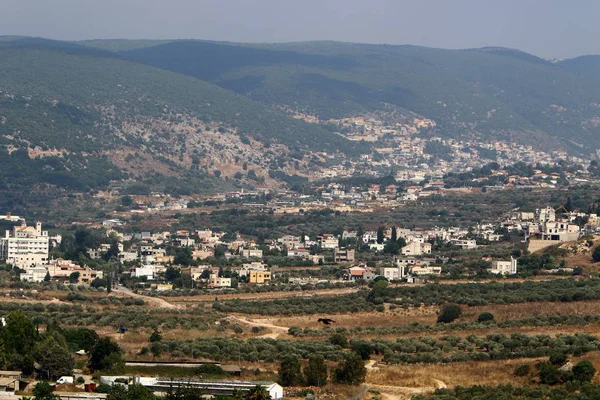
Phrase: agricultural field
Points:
(395, 330)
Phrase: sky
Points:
(547, 28)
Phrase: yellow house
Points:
(259, 277)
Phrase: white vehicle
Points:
(64, 379)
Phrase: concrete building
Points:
(259, 277)
(216, 281)
(343, 255)
(426, 270)
(27, 246)
(34, 274)
(251, 253)
(504, 267)
(394, 273)
(416, 248)
(328, 241)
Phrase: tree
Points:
(289, 371)
(380, 234)
(155, 336)
(133, 392)
(596, 254)
(569, 204)
(583, 371)
(74, 277)
(172, 273)
(316, 371)
(106, 355)
(549, 374)
(351, 370)
(449, 313)
(81, 338)
(557, 358)
(19, 334)
(258, 393)
(391, 247)
(53, 356)
(337, 339)
(183, 256)
(485, 317)
(394, 234)
(43, 391)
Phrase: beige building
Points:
(259, 277)
(26, 247)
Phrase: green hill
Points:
(66, 110)
(489, 92)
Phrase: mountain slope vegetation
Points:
(70, 115)
(490, 92)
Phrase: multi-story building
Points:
(27, 246)
(343, 255)
(259, 277)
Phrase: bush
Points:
(549, 374)
(338, 339)
(449, 313)
(485, 317)
(583, 371)
(596, 254)
(522, 370)
(558, 359)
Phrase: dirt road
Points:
(158, 302)
(277, 330)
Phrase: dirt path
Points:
(277, 330)
(154, 301)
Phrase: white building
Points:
(34, 274)
(504, 267)
(415, 248)
(28, 246)
(394, 273)
(328, 241)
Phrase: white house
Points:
(504, 267)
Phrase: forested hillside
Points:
(77, 116)
(489, 92)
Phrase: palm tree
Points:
(258, 393)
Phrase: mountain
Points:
(492, 92)
(588, 65)
(80, 117)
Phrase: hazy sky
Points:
(548, 28)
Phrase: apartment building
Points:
(27, 246)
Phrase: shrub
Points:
(522, 370)
(558, 359)
(449, 313)
(338, 339)
(549, 374)
(583, 371)
(485, 317)
(596, 254)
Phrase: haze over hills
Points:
(489, 92)
(190, 116)
(80, 117)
